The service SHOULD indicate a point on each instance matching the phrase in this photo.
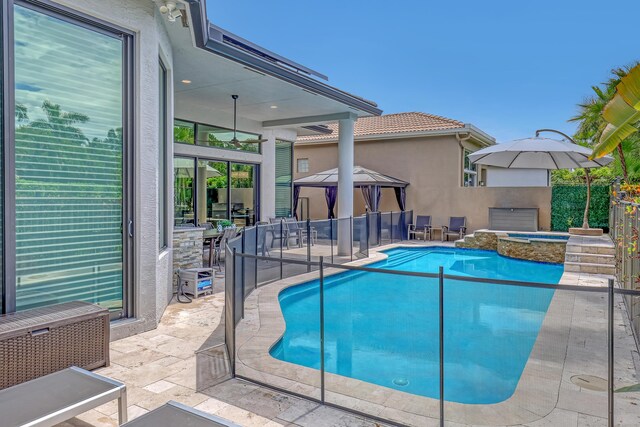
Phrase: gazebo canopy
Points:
(370, 182)
(362, 177)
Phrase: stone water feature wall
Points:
(542, 250)
(531, 249)
(187, 250)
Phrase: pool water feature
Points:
(383, 328)
(560, 237)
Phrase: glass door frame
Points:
(8, 181)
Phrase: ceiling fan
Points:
(235, 141)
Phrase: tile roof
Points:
(390, 124)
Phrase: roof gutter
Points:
(211, 39)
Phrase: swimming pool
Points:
(383, 329)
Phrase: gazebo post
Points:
(345, 183)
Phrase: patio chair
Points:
(422, 226)
(278, 233)
(457, 227)
(294, 231)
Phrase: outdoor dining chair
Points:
(422, 226)
(457, 227)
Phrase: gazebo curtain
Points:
(371, 196)
(331, 194)
(296, 197)
(401, 197)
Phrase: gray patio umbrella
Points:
(542, 153)
(538, 153)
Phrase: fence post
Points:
(255, 264)
(441, 341)
(379, 225)
(242, 269)
(308, 244)
(367, 230)
(610, 364)
(350, 236)
(391, 225)
(233, 310)
(322, 329)
(281, 239)
(331, 237)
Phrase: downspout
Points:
(460, 141)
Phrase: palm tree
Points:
(621, 114)
(61, 123)
(591, 122)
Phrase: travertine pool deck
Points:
(163, 364)
(572, 342)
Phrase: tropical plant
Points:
(590, 116)
(622, 114)
(61, 122)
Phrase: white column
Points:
(268, 177)
(345, 184)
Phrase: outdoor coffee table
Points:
(173, 414)
(57, 397)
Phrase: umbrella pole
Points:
(585, 221)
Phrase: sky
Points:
(508, 67)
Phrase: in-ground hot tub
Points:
(540, 246)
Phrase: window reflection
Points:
(68, 161)
(183, 132)
(242, 194)
(213, 136)
(183, 187)
(212, 192)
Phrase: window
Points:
(214, 190)
(303, 165)
(242, 194)
(284, 178)
(184, 173)
(470, 174)
(183, 132)
(212, 206)
(162, 156)
(213, 136)
(70, 135)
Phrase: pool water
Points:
(383, 329)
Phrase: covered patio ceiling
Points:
(217, 64)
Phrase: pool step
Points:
(592, 249)
(588, 267)
(590, 258)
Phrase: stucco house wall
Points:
(433, 166)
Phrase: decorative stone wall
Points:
(533, 250)
(187, 250)
(481, 240)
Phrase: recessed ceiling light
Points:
(187, 82)
(274, 106)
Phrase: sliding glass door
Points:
(212, 191)
(71, 228)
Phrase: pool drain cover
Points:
(402, 382)
(590, 382)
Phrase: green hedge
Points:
(567, 206)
